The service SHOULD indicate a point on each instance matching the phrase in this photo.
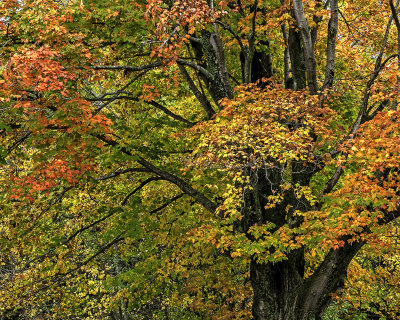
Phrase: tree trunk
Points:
(297, 60)
(220, 86)
(276, 289)
(280, 291)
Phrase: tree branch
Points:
(379, 65)
(122, 171)
(118, 92)
(185, 187)
(171, 114)
(136, 99)
(235, 35)
(195, 66)
(167, 203)
(145, 182)
(129, 68)
(200, 97)
(328, 278)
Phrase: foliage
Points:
(199, 160)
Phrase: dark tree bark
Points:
(219, 87)
(297, 60)
(280, 290)
(261, 65)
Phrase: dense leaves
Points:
(199, 160)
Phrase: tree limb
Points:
(122, 171)
(148, 180)
(184, 186)
(197, 67)
(171, 114)
(200, 97)
(167, 203)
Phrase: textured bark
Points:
(280, 291)
(275, 288)
(331, 45)
(247, 63)
(308, 49)
(249, 51)
(260, 67)
(327, 279)
(286, 59)
(219, 86)
(297, 60)
(220, 55)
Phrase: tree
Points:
(188, 159)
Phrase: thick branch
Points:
(184, 186)
(168, 112)
(122, 171)
(151, 102)
(197, 67)
(317, 20)
(328, 278)
(286, 57)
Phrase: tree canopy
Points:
(193, 159)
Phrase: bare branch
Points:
(136, 99)
(87, 227)
(120, 91)
(19, 141)
(184, 186)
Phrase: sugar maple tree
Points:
(194, 159)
